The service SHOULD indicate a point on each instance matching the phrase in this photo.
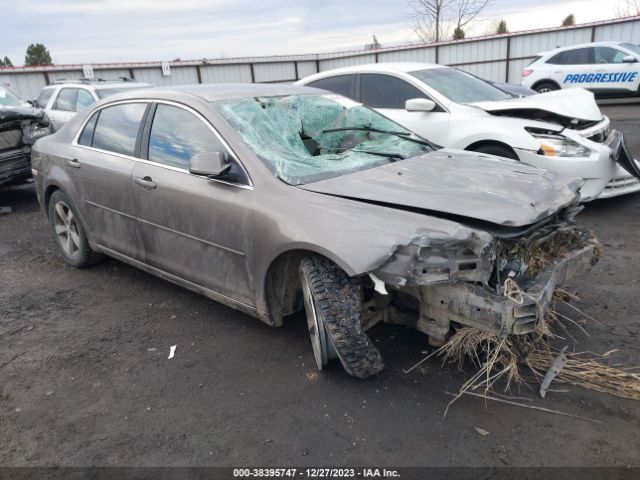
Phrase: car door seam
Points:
(207, 242)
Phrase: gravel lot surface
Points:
(85, 378)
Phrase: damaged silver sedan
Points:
(271, 199)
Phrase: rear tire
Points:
(497, 150)
(68, 234)
(545, 87)
(333, 303)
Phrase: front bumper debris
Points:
(474, 305)
(620, 153)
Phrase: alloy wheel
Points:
(66, 229)
(323, 349)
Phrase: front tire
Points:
(497, 150)
(68, 234)
(545, 87)
(333, 303)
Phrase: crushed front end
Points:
(501, 282)
(20, 127)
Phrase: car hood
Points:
(458, 184)
(11, 114)
(565, 105)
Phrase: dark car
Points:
(273, 198)
(20, 126)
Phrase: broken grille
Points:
(10, 139)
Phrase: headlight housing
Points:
(558, 146)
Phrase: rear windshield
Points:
(44, 97)
(535, 59)
(459, 86)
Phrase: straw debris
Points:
(508, 360)
(520, 359)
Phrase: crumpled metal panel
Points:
(10, 139)
(10, 114)
(465, 184)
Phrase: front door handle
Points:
(74, 163)
(146, 182)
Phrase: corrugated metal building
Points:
(498, 58)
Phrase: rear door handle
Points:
(74, 163)
(146, 182)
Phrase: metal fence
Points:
(499, 58)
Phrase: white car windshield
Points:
(307, 138)
(10, 99)
(631, 47)
(460, 87)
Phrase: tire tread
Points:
(338, 299)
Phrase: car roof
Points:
(390, 67)
(99, 84)
(220, 91)
(116, 84)
(582, 45)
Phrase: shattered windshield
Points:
(460, 87)
(307, 138)
(9, 99)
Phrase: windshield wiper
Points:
(369, 128)
(394, 157)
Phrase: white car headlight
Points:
(559, 146)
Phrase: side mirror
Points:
(629, 59)
(210, 164)
(419, 105)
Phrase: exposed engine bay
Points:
(20, 127)
(502, 286)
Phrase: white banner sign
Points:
(166, 69)
(87, 71)
(5, 81)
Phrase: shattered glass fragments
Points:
(288, 133)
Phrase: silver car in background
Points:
(274, 198)
(64, 98)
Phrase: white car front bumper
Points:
(596, 170)
(621, 184)
(602, 174)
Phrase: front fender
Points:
(508, 130)
(357, 236)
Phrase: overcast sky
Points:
(84, 31)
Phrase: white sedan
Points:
(562, 131)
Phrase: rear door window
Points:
(84, 100)
(117, 128)
(579, 56)
(66, 100)
(385, 91)
(341, 84)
